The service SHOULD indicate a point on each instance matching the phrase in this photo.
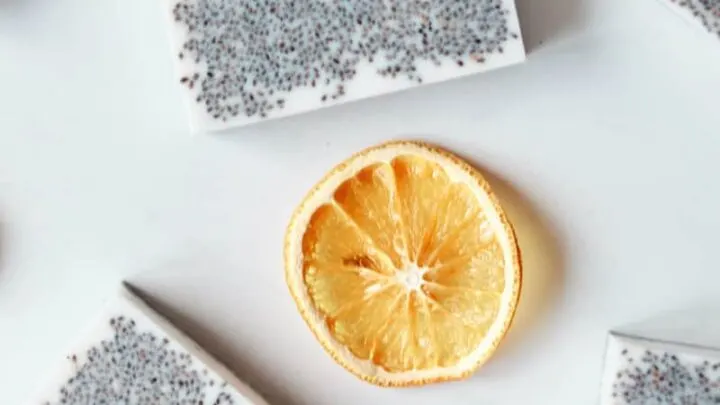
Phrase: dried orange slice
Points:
(404, 266)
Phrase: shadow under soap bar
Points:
(243, 61)
(133, 356)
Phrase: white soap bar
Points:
(703, 14)
(643, 371)
(243, 61)
(133, 356)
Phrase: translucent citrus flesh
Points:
(404, 266)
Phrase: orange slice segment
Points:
(404, 266)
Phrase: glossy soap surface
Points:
(242, 61)
(132, 356)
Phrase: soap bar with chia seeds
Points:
(133, 356)
(645, 371)
(703, 14)
(243, 61)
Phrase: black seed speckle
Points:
(663, 378)
(706, 12)
(266, 49)
(136, 367)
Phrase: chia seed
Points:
(249, 54)
(642, 373)
(705, 12)
(131, 361)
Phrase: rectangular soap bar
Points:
(703, 14)
(133, 356)
(641, 371)
(243, 61)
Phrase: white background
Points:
(604, 147)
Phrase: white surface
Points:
(604, 147)
(219, 380)
(366, 84)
